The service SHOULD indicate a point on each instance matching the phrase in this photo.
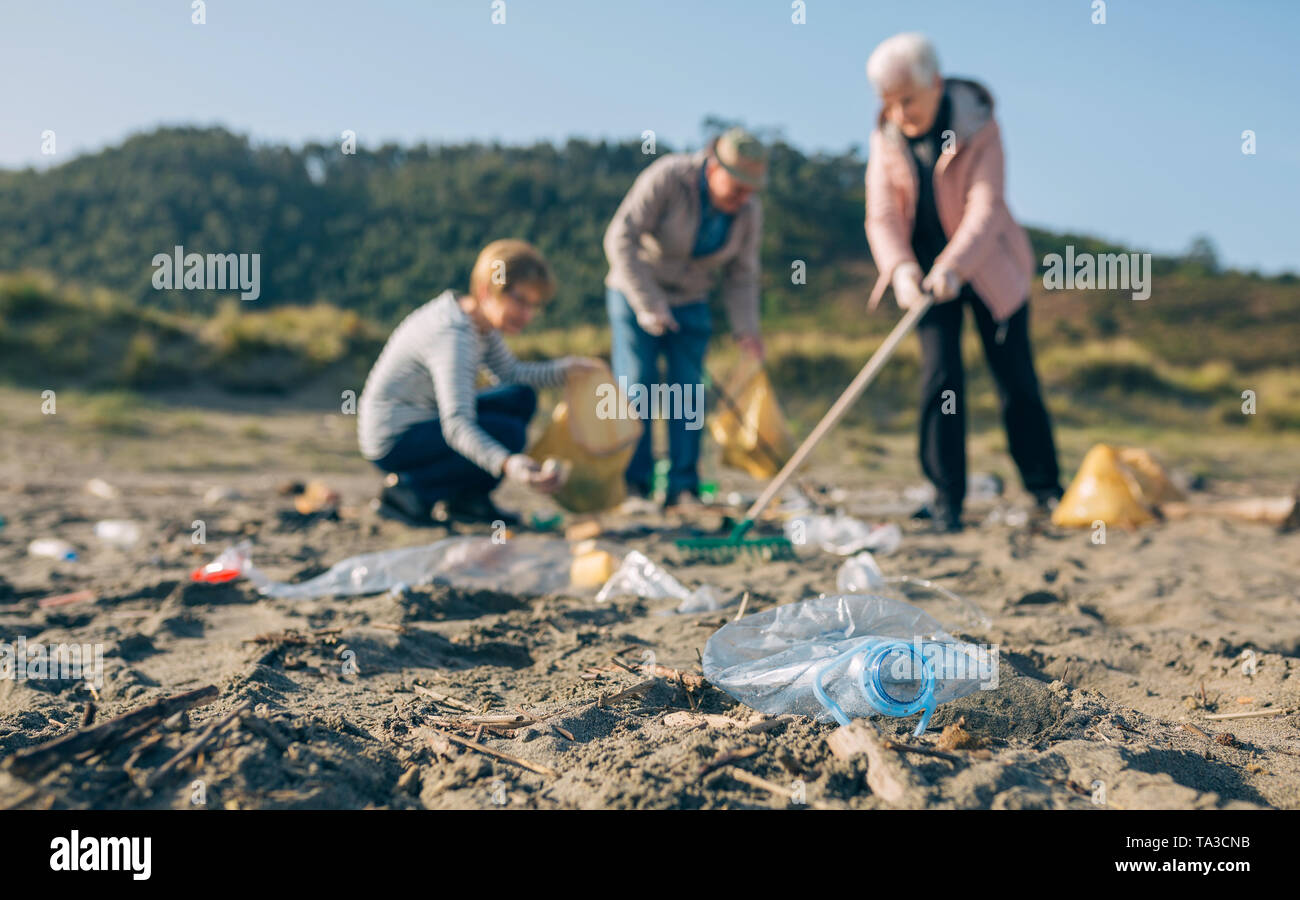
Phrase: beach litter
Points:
(522, 565)
(843, 535)
(844, 657)
(52, 548)
(121, 533)
(639, 577)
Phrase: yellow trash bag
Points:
(1106, 490)
(753, 436)
(1154, 486)
(598, 448)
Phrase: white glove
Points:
(525, 470)
(656, 322)
(907, 285)
(942, 284)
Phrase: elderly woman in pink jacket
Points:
(938, 223)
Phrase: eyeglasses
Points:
(534, 307)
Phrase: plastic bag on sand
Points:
(846, 656)
(756, 441)
(843, 535)
(597, 447)
(639, 577)
(521, 565)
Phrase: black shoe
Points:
(1046, 499)
(945, 518)
(397, 501)
(683, 501)
(479, 508)
(643, 491)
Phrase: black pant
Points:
(943, 434)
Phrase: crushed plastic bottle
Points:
(639, 577)
(120, 533)
(53, 548)
(522, 565)
(846, 656)
(843, 535)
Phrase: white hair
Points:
(903, 60)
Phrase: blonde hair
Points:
(509, 262)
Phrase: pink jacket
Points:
(985, 245)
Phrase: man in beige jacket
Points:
(687, 219)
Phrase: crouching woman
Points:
(421, 417)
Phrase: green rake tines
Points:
(726, 549)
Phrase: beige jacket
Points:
(648, 245)
(986, 247)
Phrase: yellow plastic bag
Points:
(598, 447)
(1103, 490)
(753, 436)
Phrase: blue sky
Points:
(1129, 130)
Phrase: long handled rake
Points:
(725, 549)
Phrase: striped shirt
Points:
(428, 369)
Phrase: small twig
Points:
(202, 741)
(633, 691)
(504, 757)
(622, 665)
(726, 757)
(754, 781)
(442, 698)
(744, 602)
(1278, 711)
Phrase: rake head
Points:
(734, 545)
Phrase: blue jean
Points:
(424, 462)
(636, 357)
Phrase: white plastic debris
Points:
(859, 574)
(102, 489)
(121, 533)
(843, 535)
(639, 577)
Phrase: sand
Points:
(1112, 655)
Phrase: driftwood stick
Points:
(97, 739)
(204, 738)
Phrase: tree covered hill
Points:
(380, 230)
